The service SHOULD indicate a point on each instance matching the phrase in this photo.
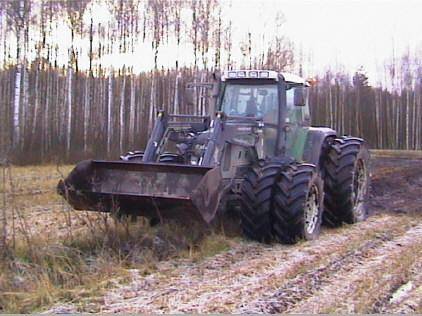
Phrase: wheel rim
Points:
(312, 210)
(360, 185)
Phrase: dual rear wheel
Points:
(289, 202)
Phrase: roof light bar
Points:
(264, 74)
(240, 74)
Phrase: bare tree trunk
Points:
(25, 105)
(151, 105)
(414, 131)
(36, 105)
(86, 111)
(132, 110)
(407, 119)
(3, 241)
(122, 112)
(377, 121)
(46, 122)
(176, 95)
(16, 106)
(109, 112)
(69, 110)
(397, 127)
(19, 69)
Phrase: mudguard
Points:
(314, 144)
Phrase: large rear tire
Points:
(256, 196)
(137, 156)
(298, 204)
(133, 156)
(346, 181)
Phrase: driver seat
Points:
(251, 108)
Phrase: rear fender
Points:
(314, 145)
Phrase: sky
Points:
(335, 33)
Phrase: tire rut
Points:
(242, 274)
(406, 296)
(307, 283)
(360, 288)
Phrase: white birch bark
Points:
(86, 112)
(132, 110)
(397, 127)
(414, 131)
(418, 119)
(19, 68)
(2, 37)
(36, 103)
(330, 103)
(407, 119)
(122, 113)
(202, 95)
(25, 104)
(46, 116)
(377, 121)
(69, 110)
(109, 113)
(16, 106)
(151, 105)
(176, 95)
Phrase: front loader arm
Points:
(214, 138)
(156, 137)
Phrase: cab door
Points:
(297, 120)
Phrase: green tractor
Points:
(255, 153)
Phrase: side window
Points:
(270, 108)
(294, 113)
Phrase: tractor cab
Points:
(265, 95)
(278, 100)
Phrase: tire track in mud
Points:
(230, 281)
(405, 296)
(307, 283)
(360, 288)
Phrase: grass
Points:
(408, 154)
(56, 255)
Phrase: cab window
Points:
(260, 101)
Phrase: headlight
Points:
(264, 74)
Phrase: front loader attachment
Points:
(153, 190)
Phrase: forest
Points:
(72, 85)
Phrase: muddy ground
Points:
(370, 267)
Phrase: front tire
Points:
(256, 201)
(298, 204)
(346, 181)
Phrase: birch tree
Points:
(18, 19)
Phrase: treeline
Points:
(70, 85)
(386, 118)
(111, 114)
(68, 68)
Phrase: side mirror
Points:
(299, 96)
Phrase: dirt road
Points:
(373, 266)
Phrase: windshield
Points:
(259, 101)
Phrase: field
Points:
(65, 261)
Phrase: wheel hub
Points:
(360, 184)
(312, 210)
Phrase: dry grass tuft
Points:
(56, 255)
